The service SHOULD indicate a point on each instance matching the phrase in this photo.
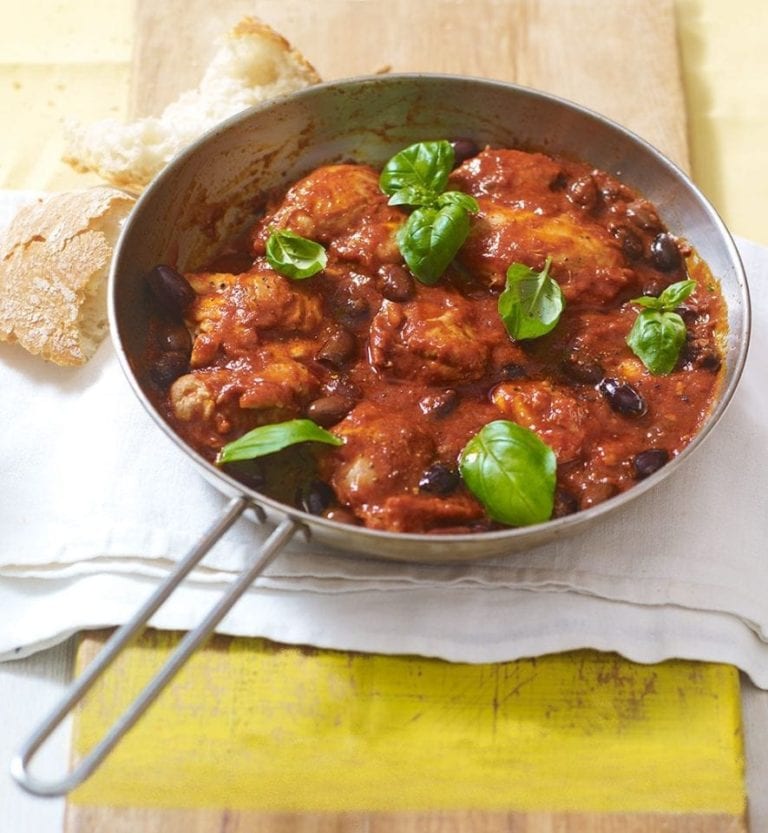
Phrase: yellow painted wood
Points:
(253, 725)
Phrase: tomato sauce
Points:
(407, 373)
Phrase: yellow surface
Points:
(725, 72)
(250, 725)
(72, 59)
(58, 61)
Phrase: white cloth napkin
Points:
(95, 504)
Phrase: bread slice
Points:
(254, 63)
(54, 260)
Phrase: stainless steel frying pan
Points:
(207, 194)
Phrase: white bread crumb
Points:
(253, 64)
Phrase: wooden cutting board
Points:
(619, 58)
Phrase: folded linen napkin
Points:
(95, 504)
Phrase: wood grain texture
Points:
(132, 820)
(619, 58)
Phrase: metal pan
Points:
(206, 195)
(180, 219)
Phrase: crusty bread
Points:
(54, 260)
(254, 63)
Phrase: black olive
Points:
(248, 472)
(175, 339)
(439, 404)
(396, 282)
(464, 149)
(631, 242)
(316, 497)
(512, 371)
(649, 461)
(583, 192)
(689, 316)
(353, 308)
(698, 352)
(643, 215)
(710, 361)
(328, 410)
(338, 348)
(584, 372)
(168, 367)
(664, 252)
(654, 287)
(439, 479)
(623, 398)
(171, 290)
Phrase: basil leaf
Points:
(671, 297)
(425, 164)
(430, 239)
(412, 195)
(656, 338)
(511, 472)
(648, 301)
(417, 195)
(676, 293)
(294, 256)
(467, 202)
(531, 304)
(267, 439)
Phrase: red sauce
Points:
(408, 373)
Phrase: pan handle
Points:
(281, 535)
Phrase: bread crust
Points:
(54, 260)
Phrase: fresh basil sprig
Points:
(532, 302)
(671, 297)
(267, 439)
(512, 472)
(658, 334)
(439, 225)
(294, 256)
